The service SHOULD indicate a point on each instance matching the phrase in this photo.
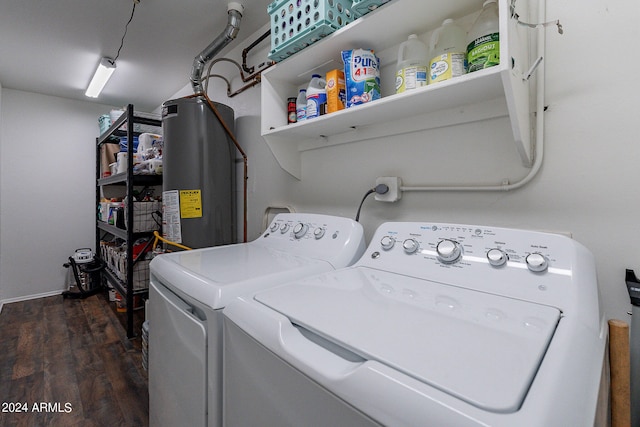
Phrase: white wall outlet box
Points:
(394, 183)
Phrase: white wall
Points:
(47, 189)
(587, 185)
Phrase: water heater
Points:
(199, 202)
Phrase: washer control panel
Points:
(461, 245)
(541, 268)
(535, 266)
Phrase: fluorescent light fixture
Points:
(106, 67)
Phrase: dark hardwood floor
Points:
(67, 362)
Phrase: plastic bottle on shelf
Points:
(483, 50)
(448, 51)
(301, 105)
(411, 71)
(316, 97)
(292, 115)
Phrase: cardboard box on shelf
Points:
(336, 94)
(107, 156)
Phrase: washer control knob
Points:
(410, 245)
(449, 251)
(300, 230)
(318, 233)
(496, 257)
(284, 227)
(274, 227)
(537, 262)
(387, 242)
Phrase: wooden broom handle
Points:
(620, 373)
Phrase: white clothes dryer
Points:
(436, 325)
(188, 291)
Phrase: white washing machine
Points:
(436, 325)
(188, 291)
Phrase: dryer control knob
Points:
(274, 227)
(387, 242)
(537, 262)
(496, 257)
(300, 230)
(318, 233)
(410, 246)
(284, 228)
(449, 251)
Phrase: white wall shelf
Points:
(494, 92)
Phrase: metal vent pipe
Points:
(234, 11)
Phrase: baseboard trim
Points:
(28, 297)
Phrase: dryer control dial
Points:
(318, 233)
(537, 262)
(300, 230)
(284, 228)
(449, 251)
(387, 242)
(274, 227)
(410, 245)
(497, 257)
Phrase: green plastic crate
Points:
(296, 24)
(362, 7)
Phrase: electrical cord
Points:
(379, 189)
(158, 238)
(157, 218)
(126, 27)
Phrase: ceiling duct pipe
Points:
(234, 11)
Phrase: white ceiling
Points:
(53, 47)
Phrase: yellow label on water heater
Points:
(190, 204)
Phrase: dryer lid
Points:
(484, 349)
(217, 275)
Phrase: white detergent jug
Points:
(301, 105)
(483, 50)
(316, 97)
(448, 49)
(412, 65)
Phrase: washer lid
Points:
(215, 276)
(481, 348)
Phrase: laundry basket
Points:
(362, 7)
(296, 24)
(147, 216)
